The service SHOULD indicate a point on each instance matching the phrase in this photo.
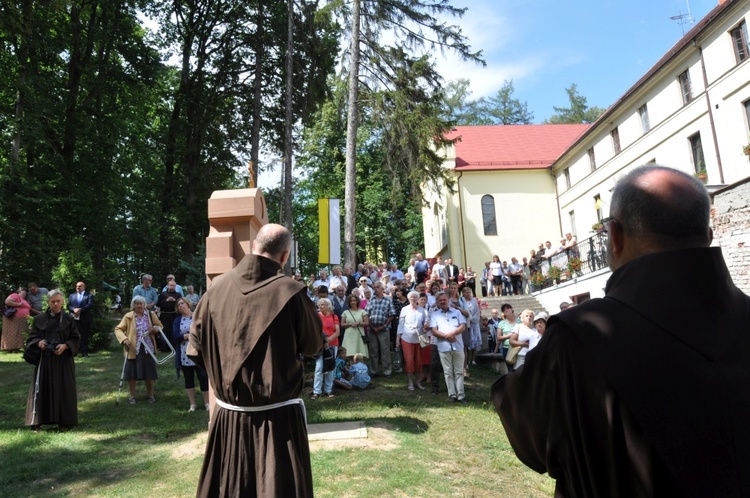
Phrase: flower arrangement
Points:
(537, 279)
(746, 149)
(554, 273)
(575, 264)
(597, 226)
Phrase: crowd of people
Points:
(428, 316)
(62, 331)
(499, 278)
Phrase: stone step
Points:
(519, 303)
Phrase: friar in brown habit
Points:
(645, 391)
(248, 332)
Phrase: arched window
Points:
(488, 215)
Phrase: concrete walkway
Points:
(338, 430)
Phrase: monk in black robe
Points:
(52, 396)
(643, 392)
(249, 331)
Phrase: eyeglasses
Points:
(606, 220)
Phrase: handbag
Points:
(424, 340)
(32, 354)
(329, 359)
(9, 311)
(512, 356)
(365, 338)
(398, 361)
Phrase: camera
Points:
(51, 346)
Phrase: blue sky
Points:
(545, 45)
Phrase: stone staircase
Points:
(519, 304)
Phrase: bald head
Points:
(658, 208)
(273, 241)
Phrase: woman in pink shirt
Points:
(15, 326)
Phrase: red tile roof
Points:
(498, 147)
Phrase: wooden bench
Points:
(495, 360)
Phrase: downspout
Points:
(710, 114)
(557, 200)
(461, 219)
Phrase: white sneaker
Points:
(192, 408)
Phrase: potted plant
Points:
(575, 265)
(597, 227)
(537, 280)
(554, 273)
(702, 175)
(746, 149)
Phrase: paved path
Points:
(338, 430)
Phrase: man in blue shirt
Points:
(421, 268)
(146, 291)
(447, 326)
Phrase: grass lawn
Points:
(417, 445)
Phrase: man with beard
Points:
(643, 392)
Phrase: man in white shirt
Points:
(336, 279)
(322, 280)
(447, 326)
(438, 270)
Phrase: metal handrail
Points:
(592, 253)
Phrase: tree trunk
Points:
(350, 196)
(257, 92)
(288, 129)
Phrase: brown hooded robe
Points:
(643, 392)
(249, 330)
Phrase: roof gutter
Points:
(710, 113)
(461, 219)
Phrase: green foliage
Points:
(388, 207)
(74, 265)
(112, 147)
(578, 112)
(501, 108)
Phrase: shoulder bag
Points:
(512, 356)
(365, 339)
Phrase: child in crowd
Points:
(341, 371)
(360, 377)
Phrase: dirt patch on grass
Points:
(380, 435)
(190, 449)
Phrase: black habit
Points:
(644, 392)
(249, 331)
(56, 401)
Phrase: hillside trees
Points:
(578, 112)
(388, 201)
(375, 65)
(110, 142)
(500, 108)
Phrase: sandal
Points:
(410, 387)
(151, 399)
(314, 396)
(420, 386)
(131, 400)
(330, 395)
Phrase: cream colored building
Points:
(690, 111)
(504, 200)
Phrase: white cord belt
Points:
(264, 408)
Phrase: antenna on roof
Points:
(684, 19)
